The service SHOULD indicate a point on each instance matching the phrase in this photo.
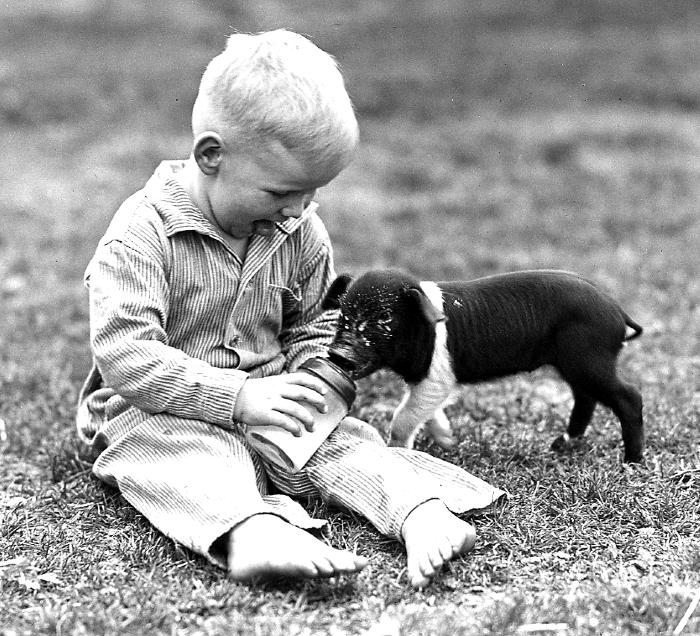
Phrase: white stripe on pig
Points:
(424, 399)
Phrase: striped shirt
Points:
(178, 322)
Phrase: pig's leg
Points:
(581, 415)
(626, 403)
(424, 398)
(418, 405)
(596, 372)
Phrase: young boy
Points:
(205, 297)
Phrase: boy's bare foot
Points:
(266, 546)
(433, 536)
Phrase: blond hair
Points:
(278, 86)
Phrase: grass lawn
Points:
(496, 136)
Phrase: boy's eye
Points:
(279, 195)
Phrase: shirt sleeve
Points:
(128, 316)
(308, 331)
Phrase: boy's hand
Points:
(275, 401)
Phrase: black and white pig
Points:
(437, 335)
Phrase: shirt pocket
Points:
(289, 299)
(282, 286)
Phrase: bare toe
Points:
(420, 572)
(436, 558)
(447, 550)
(347, 562)
(324, 568)
(434, 536)
(419, 580)
(465, 542)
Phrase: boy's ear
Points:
(208, 152)
(338, 287)
(429, 311)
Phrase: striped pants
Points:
(195, 481)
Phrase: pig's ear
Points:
(429, 311)
(335, 292)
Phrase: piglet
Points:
(439, 335)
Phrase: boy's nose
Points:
(292, 211)
(295, 207)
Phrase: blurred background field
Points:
(496, 135)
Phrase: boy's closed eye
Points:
(281, 194)
(296, 199)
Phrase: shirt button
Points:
(235, 341)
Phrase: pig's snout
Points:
(353, 356)
(342, 355)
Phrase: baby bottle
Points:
(280, 446)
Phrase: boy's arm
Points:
(308, 329)
(129, 304)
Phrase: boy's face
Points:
(253, 190)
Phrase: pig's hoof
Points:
(634, 458)
(566, 444)
(445, 441)
(561, 444)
